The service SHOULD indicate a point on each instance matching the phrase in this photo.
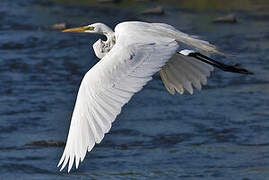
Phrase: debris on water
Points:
(153, 11)
(59, 26)
(49, 143)
(143, 0)
(108, 1)
(231, 18)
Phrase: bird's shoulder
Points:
(139, 25)
(131, 25)
(141, 32)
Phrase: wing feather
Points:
(106, 88)
(182, 72)
(179, 82)
(166, 82)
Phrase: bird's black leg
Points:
(217, 64)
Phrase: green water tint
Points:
(192, 4)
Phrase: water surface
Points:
(219, 133)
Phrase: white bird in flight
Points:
(129, 58)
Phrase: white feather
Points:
(183, 71)
(108, 86)
(141, 50)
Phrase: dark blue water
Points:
(221, 132)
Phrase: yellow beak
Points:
(79, 29)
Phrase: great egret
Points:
(129, 58)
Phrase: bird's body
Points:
(129, 58)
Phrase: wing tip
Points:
(77, 162)
(63, 166)
(61, 160)
(69, 168)
(70, 165)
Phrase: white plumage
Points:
(184, 72)
(130, 56)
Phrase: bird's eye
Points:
(90, 28)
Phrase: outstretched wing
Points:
(106, 87)
(183, 72)
(188, 69)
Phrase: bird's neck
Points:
(105, 30)
(110, 38)
(110, 35)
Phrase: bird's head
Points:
(98, 28)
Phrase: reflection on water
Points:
(219, 133)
